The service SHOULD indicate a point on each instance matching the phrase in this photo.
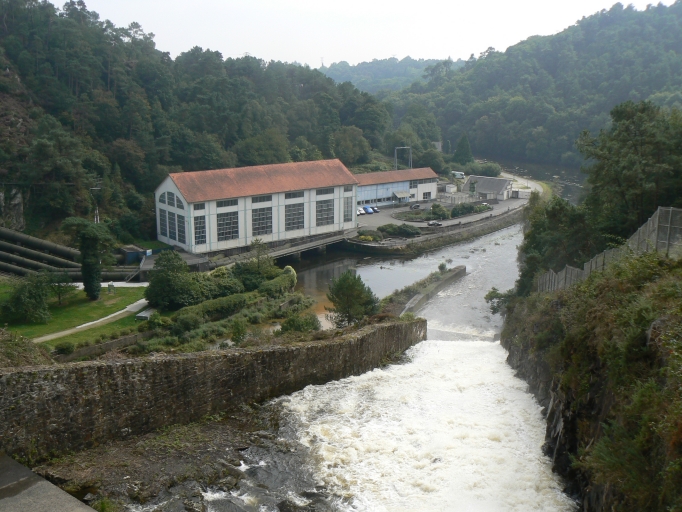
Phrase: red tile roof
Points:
(374, 178)
(261, 179)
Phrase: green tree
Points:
(95, 243)
(28, 300)
(350, 146)
(432, 158)
(61, 285)
(463, 153)
(352, 300)
(438, 211)
(171, 286)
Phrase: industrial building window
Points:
(172, 228)
(261, 221)
(324, 212)
(228, 226)
(178, 203)
(414, 183)
(200, 230)
(227, 202)
(293, 195)
(348, 188)
(170, 198)
(162, 198)
(163, 223)
(261, 199)
(293, 217)
(324, 191)
(200, 206)
(426, 195)
(347, 209)
(181, 229)
(413, 196)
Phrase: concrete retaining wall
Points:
(419, 300)
(50, 410)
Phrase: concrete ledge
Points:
(419, 300)
(21, 490)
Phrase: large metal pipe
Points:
(24, 262)
(38, 243)
(38, 256)
(6, 267)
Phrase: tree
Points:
(171, 286)
(463, 154)
(352, 300)
(28, 301)
(94, 242)
(350, 146)
(61, 285)
(432, 158)
(439, 212)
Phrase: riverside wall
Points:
(51, 410)
(419, 300)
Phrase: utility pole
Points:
(98, 186)
(395, 156)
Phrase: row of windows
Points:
(172, 226)
(414, 183)
(171, 200)
(380, 200)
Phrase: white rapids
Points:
(451, 429)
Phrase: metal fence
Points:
(661, 233)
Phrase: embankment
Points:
(604, 360)
(430, 291)
(50, 410)
(439, 237)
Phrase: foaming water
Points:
(450, 429)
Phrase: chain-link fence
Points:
(661, 233)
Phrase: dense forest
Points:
(91, 113)
(532, 101)
(383, 74)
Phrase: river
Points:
(449, 428)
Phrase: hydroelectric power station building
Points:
(212, 211)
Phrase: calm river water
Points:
(449, 429)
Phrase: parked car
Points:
(376, 210)
(361, 211)
(415, 207)
(368, 210)
(434, 223)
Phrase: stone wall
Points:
(419, 300)
(50, 410)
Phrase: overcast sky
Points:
(308, 31)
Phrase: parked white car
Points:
(361, 211)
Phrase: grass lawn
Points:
(78, 310)
(95, 333)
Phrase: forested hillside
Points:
(94, 112)
(382, 74)
(532, 101)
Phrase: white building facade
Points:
(391, 187)
(209, 211)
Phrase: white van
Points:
(458, 175)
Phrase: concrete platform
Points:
(21, 490)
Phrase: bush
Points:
(280, 285)
(156, 321)
(438, 212)
(64, 347)
(442, 267)
(303, 323)
(404, 230)
(238, 331)
(352, 299)
(28, 302)
(217, 309)
(186, 322)
(370, 235)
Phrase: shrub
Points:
(442, 267)
(64, 347)
(238, 331)
(28, 301)
(217, 309)
(186, 322)
(404, 230)
(280, 285)
(303, 323)
(374, 236)
(462, 209)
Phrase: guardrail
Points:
(661, 233)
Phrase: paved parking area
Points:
(384, 217)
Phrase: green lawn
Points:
(79, 310)
(93, 334)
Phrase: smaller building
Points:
(485, 187)
(392, 187)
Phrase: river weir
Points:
(449, 427)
